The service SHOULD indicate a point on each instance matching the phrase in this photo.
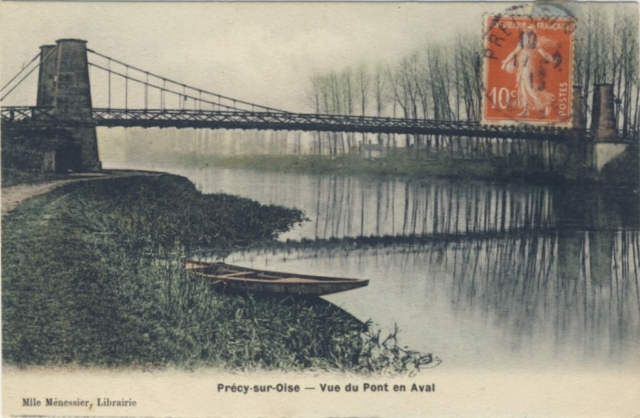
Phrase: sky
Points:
(259, 52)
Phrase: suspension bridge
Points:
(64, 100)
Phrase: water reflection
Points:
(348, 206)
(344, 206)
(482, 274)
(540, 297)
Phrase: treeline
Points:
(606, 52)
(444, 81)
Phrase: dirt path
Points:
(14, 195)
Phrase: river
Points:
(486, 276)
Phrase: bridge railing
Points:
(631, 136)
(347, 123)
(183, 118)
(320, 122)
(27, 114)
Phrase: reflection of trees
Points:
(572, 285)
(557, 262)
(565, 285)
(348, 206)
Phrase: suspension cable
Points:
(29, 73)
(164, 89)
(126, 89)
(146, 93)
(109, 72)
(20, 72)
(164, 85)
(181, 84)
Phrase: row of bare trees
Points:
(606, 52)
(444, 81)
(434, 83)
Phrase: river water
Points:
(486, 276)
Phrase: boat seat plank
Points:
(238, 274)
(269, 276)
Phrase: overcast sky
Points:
(263, 53)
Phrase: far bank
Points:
(621, 171)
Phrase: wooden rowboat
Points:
(250, 280)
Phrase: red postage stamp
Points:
(528, 65)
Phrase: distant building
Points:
(373, 151)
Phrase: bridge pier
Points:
(63, 85)
(606, 147)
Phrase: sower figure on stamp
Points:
(524, 61)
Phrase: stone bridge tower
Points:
(63, 85)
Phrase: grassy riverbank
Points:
(91, 276)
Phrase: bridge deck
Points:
(163, 118)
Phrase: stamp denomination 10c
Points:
(528, 65)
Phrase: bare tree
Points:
(363, 81)
(379, 91)
(349, 95)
